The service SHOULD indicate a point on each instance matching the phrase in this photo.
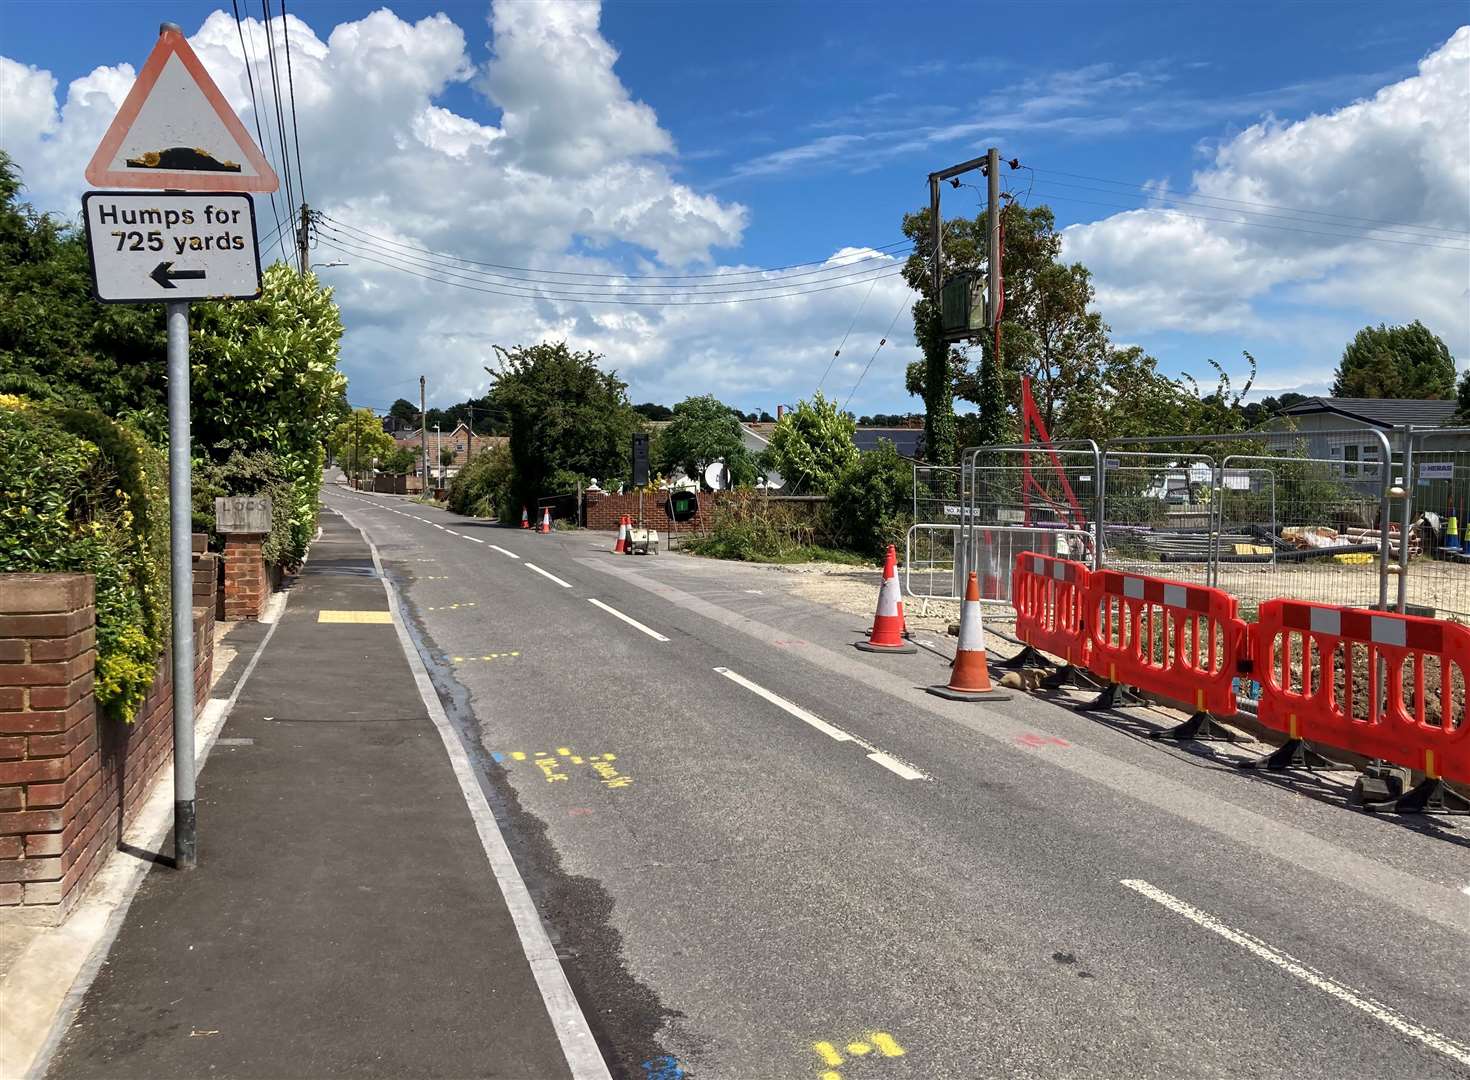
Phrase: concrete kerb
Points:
(572, 1030)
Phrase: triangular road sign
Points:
(177, 131)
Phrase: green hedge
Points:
(81, 493)
(482, 487)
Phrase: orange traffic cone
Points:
(888, 624)
(525, 519)
(969, 680)
(545, 520)
(622, 544)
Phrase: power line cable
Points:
(270, 48)
(1448, 233)
(335, 244)
(246, 55)
(881, 342)
(582, 289)
(883, 252)
(291, 83)
(838, 351)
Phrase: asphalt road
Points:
(882, 885)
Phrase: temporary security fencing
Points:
(1382, 685)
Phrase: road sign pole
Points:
(181, 564)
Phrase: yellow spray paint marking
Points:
(487, 656)
(551, 765)
(880, 1041)
(353, 617)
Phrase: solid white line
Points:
(893, 765)
(553, 577)
(502, 551)
(790, 707)
(572, 1030)
(474, 539)
(451, 532)
(615, 613)
(1384, 1015)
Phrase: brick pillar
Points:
(246, 580)
(49, 761)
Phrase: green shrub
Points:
(257, 473)
(870, 501)
(80, 493)
(752, 530)
(482, 488)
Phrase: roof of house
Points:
(1379, 412)
(908, 441)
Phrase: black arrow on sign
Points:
(165, 274)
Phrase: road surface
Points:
(763, 853)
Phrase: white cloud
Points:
(561, 169)
(1401, 156)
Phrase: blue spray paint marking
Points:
(664, 1068)
(497, 755)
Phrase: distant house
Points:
(1340, 430)
(464, 443)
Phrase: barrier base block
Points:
(1431, 796)
(868, 646)
(1113, 696)
(1201, 727)
(1292, 754)
(1069, 677)
(1026, 658)
(968, 695)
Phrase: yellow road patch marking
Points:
(353, 617)
(551, 765)
(880, 1041)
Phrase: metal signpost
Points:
(175, 131)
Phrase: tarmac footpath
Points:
(350, 914)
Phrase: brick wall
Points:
(70, 778)
(604, 510)
(247, 581)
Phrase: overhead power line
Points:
(603, 288)
(270, 49)
(291, 85)
(881, 342)
(446, 277)
(884, 252)
(246, 55)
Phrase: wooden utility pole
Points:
(424, 434)
(302, 236)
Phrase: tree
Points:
(359, 439)
(400, 461)
(651, 411)
(1395, 362)
(404, 410)
(566, 415)
(446, 455)
(812, 445)
(56, 340)
(933, 377)
(702, 432)
(870, 500)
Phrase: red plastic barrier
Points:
(1303, 650)
(1183, 642)
(1050, 598)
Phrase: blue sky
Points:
(821, 121)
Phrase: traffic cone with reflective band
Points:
(969, 679)
(545, 520)
(525, 519)
(1452, 532)
(622, 544)
(888, 624)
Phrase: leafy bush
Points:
(868, 503)
(812, 445)
(482, 487)
(80, 493)
(752, 530)
(257, 473)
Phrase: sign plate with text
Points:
(149, 247)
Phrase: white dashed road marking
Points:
(1382, 1013)
(502, 551)
(615, 613)
(551, 577)
(889, 762)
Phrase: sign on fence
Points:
(1436, 470)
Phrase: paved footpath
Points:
(344, 918)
